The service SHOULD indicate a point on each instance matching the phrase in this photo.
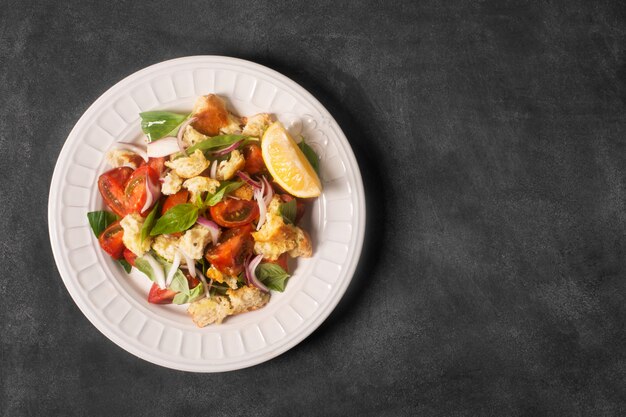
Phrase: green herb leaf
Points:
(100, 220)
(194, 294)
(156, 124)
(225, 188)
(148, 224)
(177, 219)
(144, 266)
(127, 267)
(215, 142)
(288, 211)
(179, 283)
(273, 276)
(311, 156)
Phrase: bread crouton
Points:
(123, 158)
(233, 126)
(190, 166)
(171, 183)
(209, 310)
(198, 185)
(257, 124)
(211, 115)
(227, 169)
(245, 192)
(217, 276)
(247, 299)
(192, 136)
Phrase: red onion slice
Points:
(258, 196)
(173, 269)
(157, 270)
(153, 192)
(214, 229)
(206, 287)
(268, 190)
(133, 148)
(251, 273)
(213, 173)
(163, 147)
(228, 149)
(181, 132)
(248, 180)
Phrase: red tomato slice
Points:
(229, 254)
(111, 186)
(157, 164)
(158, 295)
(135, 191)
(111, 240)
(254, 159)
(129, 256)
(180, 197)
(234, 213)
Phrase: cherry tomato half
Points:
(234, 213)
(180, 197)
(111, 186)
(129, 256)
(254, 159)
(229, 254)
(111, 240)
(135, 191)
(158, 295)
(157, 164)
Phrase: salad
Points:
(209, 209)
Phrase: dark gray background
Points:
(490, 135)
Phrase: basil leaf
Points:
(194, 294)
(144, 266)
(273, 276)
(177, 219)
(100, 220)
(225, 188)
(179, 283)
(148, 224)
(311, 156)
(127, 267)
(156, 124)
(215, 142)
(288, 211)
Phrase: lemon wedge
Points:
(287, 164)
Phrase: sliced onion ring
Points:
(133, 148)
(163, 147)
(157, 270)
(258, 196)
(269, 191)
(254, 184)
(228, 149)
(251, 273)
(153, 192)
(173, 269)
(214, 229)
(191, 263)
(213, 173)
(207, 294)
(181, 132)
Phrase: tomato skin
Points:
(129, 256)
(135, 191)
(158, 295)
(111, 187)
(234, 213)
(254, 159)
(229, 254)
(111, 240)
(180, 197)
(157, 164)
(281, 261)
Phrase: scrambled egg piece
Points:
(189, 167)
(132, 234)
(257, 124)
(209, 310)
(194, 240)
(245, 192)
(192, 136)
(233, 126)
(171, 183)
(247, 299)
(198, 185)
(214, 274)
(165, 246)
(276, 237)
(123, 158)
(227, 169)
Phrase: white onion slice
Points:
(214, 229)
(173, 269)
(251, 273)
(213, 172)
(153, 192)
(191, 264)
(268, 190)
(258, 196)
(133, 148)
(163, 147)
(157, 270)
(207, 294)
(181, 132)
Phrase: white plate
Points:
(116, 303)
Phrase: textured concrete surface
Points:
(491, 138)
